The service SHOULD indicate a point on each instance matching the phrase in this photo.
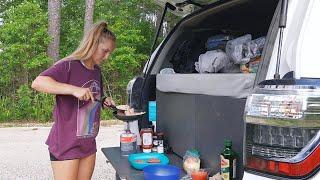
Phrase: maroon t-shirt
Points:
(76, 123)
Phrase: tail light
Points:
(283, 129)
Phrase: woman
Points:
(76, 82)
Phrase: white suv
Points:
(282, 116)
(281, 137)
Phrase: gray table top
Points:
(123, 168)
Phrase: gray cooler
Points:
(201, 110)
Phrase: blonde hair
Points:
(90, 41)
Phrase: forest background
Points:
(36, 33)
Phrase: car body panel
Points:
(185, 7)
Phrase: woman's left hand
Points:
(108, 102)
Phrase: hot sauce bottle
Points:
(146, 139)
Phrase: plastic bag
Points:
(234, 49)
(191, 161)
(254, 48)
(231, 68)
(242, 50)
(217, 42)
(167, 71)
(212, 61)
(252, 66)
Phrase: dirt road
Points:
(24, 155)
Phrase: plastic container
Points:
(161, 172)
(128, 143)
(141, 160)
(199, 175)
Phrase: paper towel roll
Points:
(134, 128)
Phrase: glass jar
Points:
(160, 147)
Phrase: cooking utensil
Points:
(112, 107)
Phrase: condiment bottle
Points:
(160, 148)
(228, 161)
(146, 137)
(155, 142)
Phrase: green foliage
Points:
(23, 101)
(7, 4)
(26, 105)
(72, 22)
(6, 112)
(24, 41)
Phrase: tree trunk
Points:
(54, 28)
(88, 19)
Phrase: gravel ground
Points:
(23, 154)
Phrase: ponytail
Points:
(90, 41)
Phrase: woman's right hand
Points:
(83, 94)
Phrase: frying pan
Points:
(113, 107)
(118, 112)
(121, 116)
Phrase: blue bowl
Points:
(140, 160)
(161, 172)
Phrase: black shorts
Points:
(53, 158)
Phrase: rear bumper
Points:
(250, 176)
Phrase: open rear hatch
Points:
(185, 7)
(200, 117)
